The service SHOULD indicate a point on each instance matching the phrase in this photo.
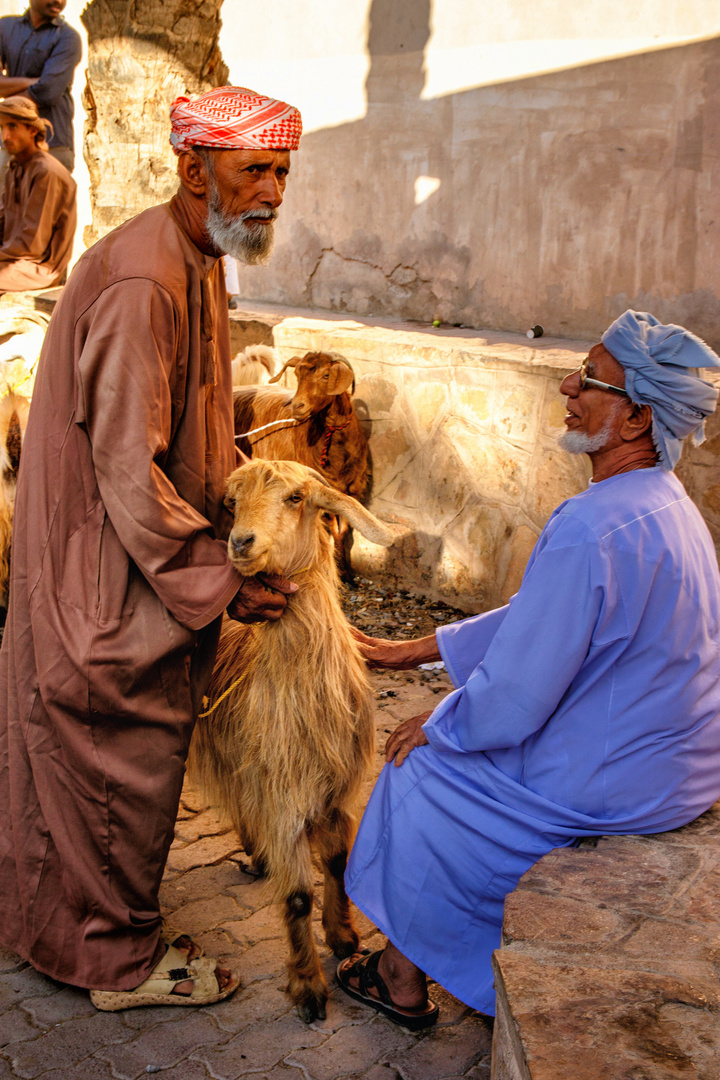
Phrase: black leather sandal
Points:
(365, 970)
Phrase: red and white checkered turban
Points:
(233, 118)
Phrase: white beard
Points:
(577, 442)
(250, 244)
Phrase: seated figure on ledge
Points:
(588, 705)
(37, 219)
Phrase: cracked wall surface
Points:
(559, 199)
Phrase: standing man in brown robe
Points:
(37, 217)
(120, 568)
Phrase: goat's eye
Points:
(294, 498)
(326, 375)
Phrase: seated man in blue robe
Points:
(589, 705)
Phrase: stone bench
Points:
(610, 962)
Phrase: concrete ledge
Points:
(304, 328)
(610, 963)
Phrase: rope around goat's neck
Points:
(233, 686)
(213, 707)
(329, 432)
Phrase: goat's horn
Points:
(288, 363)
(336, 502)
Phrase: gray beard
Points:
(577, 442)
(250, 244)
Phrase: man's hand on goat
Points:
(381, 653)
(261, 598)
(405, 738)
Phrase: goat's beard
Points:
(577, 442)
(249, 243)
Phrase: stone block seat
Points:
(610, 963)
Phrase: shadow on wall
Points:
(561, 199)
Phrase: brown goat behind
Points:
(327, 435)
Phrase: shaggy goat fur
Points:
(13, 420)
(254, 366)
(284, 753)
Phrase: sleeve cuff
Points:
(219, 604)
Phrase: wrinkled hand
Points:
(399, 655)
(406, 737)
(261, 598)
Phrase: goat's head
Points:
(277, 507)
(320, 377)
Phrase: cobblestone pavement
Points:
(53, 1032)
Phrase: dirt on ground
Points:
(381, 611)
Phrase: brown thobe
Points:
(119, 577)
(37, 223)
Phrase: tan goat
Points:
(286, 736)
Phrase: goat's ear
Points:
(289, 363)
(336, 502)
(342, 377)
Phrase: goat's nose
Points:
(242, 544)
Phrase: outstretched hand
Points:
(262, 598)
(398, 655)
(406, 737)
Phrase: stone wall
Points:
(487, 167)
(142, 54)
(560, 197)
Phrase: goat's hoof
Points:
(311, 1008)
(343, 949)
(253, 869)
(343, 942)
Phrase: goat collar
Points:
(329, 432)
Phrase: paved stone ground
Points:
(53, 1032)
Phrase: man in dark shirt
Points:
(39, 53)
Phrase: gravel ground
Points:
(394, 613)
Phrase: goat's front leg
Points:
(333, 845)
(306, 984)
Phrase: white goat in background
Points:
(254, 366)
(286, 737)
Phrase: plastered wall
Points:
(495, 165)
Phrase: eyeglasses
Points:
(586, 381)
